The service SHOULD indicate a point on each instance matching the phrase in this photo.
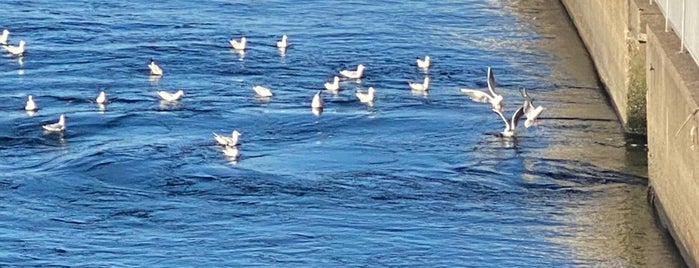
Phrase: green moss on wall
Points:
(636, 97)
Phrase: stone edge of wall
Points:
(673, 80)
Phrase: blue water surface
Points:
(414, 180)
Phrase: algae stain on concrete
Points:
(636, 94)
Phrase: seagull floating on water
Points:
(334, 86)
(167, 96)
(317, 102)
(58, 126)
(154, 68)
(354, 74)
(31, 105)
(530, 112)
(16, 50)
(366, 97)
(239, 45)
(424, 64)
(227, 141)
(101, 98)
(510, 126)
(481, 96)
(3, 38)
(424, 86)
(262, 92)
(282, 44)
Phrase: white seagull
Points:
(16, 50)
(154, 68)
(55, 127)
(424, 86)
(424, 64)
(167, 96)
(31, 105)
(262, 92)
(239, 45)
(530, 112)
(366, 97)
(101, 98)
(282, 44)
(354, 74)
(481, 96)
(334, 86)
(3, 38)
(317, 102)
(227, 141)
(510, 126)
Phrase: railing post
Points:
(667, 13)
(682, 33)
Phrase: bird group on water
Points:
(527, 109)
(230, 143)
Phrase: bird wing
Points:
(415, 85)
(528, 102)
(167, 95)
(332, 86)
(477, 95)
(262, 91)
(54, 126)
(347, 73)
(504, 120)
(491, 81)
(516, 117)
(363, 97)
(220, 139)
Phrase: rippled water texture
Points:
(411, 181)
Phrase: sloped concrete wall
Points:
(618, 53)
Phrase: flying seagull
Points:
(481, 96)
(530, 112)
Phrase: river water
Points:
(414, 180)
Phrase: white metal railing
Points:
(683, 17)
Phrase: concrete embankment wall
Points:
(617, 52)
(651, 84)
(673, 89)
